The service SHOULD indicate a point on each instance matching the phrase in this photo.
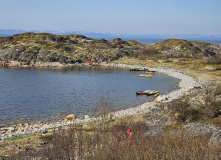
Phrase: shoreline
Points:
(186, 83)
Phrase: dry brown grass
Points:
(75, 142)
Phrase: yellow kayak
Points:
(152, 92)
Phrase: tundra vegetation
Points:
(106, 137)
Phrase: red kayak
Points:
(141, 92)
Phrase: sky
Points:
(114, 16)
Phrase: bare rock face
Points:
(29, 49)
(177, 48)
(215, 139)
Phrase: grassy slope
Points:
(193, 67)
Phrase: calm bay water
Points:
(44, 94)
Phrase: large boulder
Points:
(70, 117)
(86, 117)
(161, 98)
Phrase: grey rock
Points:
(44, 131)
(155, 124)
(215, 139)
(196, 129)
(86, 117)
(12, 147)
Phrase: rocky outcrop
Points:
(32, 49)
(177, 48)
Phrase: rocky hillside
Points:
(36, 49)
(30, 48)
(175, 48)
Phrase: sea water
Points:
(45, 94)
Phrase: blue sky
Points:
(114, 16)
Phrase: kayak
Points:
(141, 92)
(138, 69)
(152, 92)
(148, 92)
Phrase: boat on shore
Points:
(147, 92)
(151, 71)
(145, 75)
(141, 92)
(153, 92)
(138, 69)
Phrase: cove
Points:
(32, 95)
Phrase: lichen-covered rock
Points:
(215, 139)
(31, 48)
(177, 48)
(12, 147)
(196, 129)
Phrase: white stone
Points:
(86, 117)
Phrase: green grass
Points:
(20, 136)
(146, 115)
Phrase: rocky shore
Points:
(186, 83)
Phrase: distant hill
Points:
(10, 32)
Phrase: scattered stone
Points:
(177, 115)
(5, 158)
(44, 131)
(42, 143)
(3, 125)
(12, 147)
(196, 129)
(28, 148)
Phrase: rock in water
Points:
(215, 139)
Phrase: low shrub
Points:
(212, 102)
(212, 60)
(75, 143)
(144, 52)
(179, 108)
